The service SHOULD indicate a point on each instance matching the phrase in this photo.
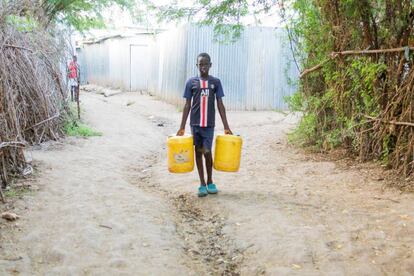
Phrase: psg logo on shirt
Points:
(205, 92)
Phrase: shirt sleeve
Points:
(219, 90)
(187, 91)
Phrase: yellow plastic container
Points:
(180, 154)
(227, 153)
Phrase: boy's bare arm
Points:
(222, 111)
(186, 111)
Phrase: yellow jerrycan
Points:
(180, 154)
(227, 153)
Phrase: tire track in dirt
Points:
(211, 251)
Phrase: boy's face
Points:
(203, 65)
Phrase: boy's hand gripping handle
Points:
(228, 131)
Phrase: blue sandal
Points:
(202, 191)
(212, 189)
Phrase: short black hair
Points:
(204, 55)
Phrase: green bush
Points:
(359, 100)
(74, 127)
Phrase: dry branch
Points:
(314, 68)
(18, 47)
(44, 121)
(11, 144)
(334, 55)
(32, 90)
(370, 52)
(390, 122)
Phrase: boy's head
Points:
(74, 58)
(203, 63)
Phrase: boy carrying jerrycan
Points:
(201, 93)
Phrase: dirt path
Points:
(107, 206)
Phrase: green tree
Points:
(354, 98)
(225, 16)
(81, 14)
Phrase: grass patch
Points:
(16, 192)
(74, 127)
(79, 129)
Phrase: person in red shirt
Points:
(74, 78)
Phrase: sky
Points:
(118, 20)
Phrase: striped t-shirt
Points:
(203, 93)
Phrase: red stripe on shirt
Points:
(203, 106)
(203, 111)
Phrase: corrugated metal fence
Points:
(169, 63)
(120, 62)
(254, 71)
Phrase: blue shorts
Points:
(203, 137)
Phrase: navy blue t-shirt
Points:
(203, 93)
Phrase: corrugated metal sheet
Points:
(254, 70)
(117, 63)
(168, 72)
(139, 64)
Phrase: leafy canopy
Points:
(225, 16)
(81, 14)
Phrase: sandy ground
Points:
(108, 206)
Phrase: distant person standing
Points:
(74, 79)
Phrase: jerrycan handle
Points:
(232, 134)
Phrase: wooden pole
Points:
(334, 55)
(3, 177)
(77, 100)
